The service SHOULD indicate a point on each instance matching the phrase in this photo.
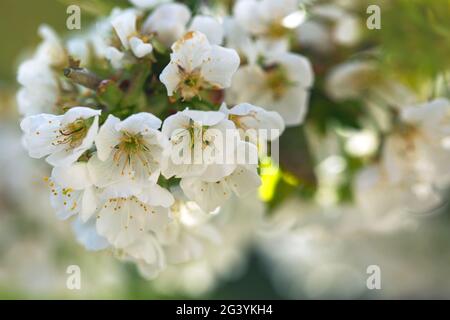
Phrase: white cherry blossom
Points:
(416, 154)
(250, 48)
(40, 85)
(40, 88)
(222, 253)
(280, 84)
(195, 64)
(171, 21)
(51, 51)
(266, 17)
(168, 21)
(250, 119)
(62, 138)
(362, 80)
(124, 24)
(209, 26)
(379, 197)
(414, 166)
(201, 144)
(129, 154)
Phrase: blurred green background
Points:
(18, 28)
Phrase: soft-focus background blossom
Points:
(303, 249)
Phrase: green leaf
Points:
(109, 93)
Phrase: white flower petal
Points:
(208, 195)
(174, 122)
(65, 201)
(124, 24)
(107, 138)
(76, 113)
(140, 48)
(297, 66)
(108, 174)
(89, 203)
(253, 117)
(148, 250)
(139, 123)
(75, 176)
(65, 156)
(155, 195)
(87, 235)
(293, 106)
(244, 180)
(204, 118)
(40, 132)
(191, 51)
(34, 72)
(170, 77)
(51, 51)
(210, 27)
(115, 57)
(220, 67)
(247, 14)
(168, 21)
(124, 220)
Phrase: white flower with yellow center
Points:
(280, 83)
(62, 138)
(195, 65)
(124, 23)
(201, 142)
(129, 154)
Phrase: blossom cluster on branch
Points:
(152, 114)
(161, 115)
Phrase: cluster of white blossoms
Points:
(274, 77)
(156, 119)
(413, 169)
(411, 172)
(132, 118)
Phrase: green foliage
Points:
(414, 38)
